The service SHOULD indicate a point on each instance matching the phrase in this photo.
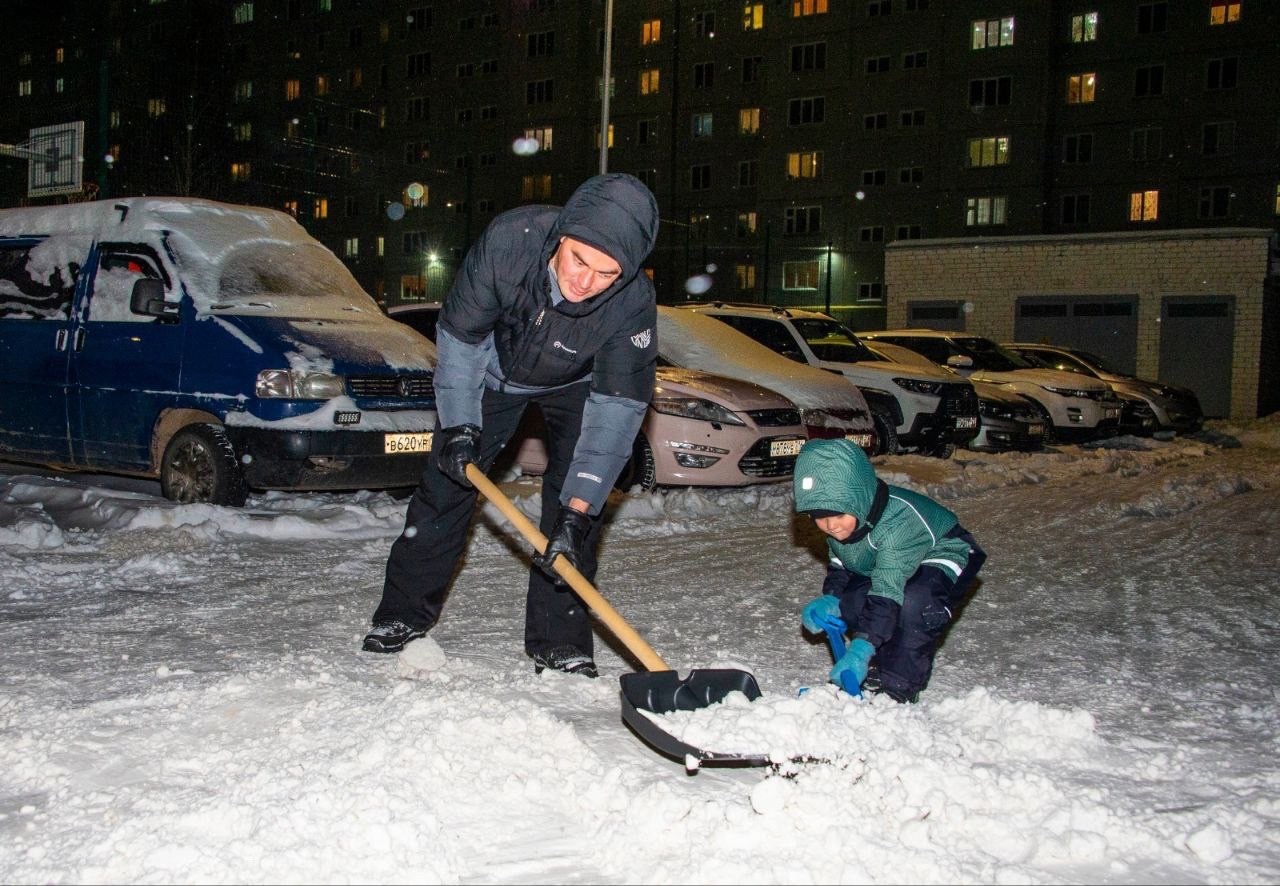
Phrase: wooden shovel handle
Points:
(584, 589)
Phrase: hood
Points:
(1044, 378)
(347, 347)
(736, 393)
(834, 475)
(616, 214)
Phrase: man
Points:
(550, 307)
(899, 565)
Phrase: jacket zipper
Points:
(537, 321)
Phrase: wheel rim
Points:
(190, 473)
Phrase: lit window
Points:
(804, 164)
(351, 247)
(1223, 13)
(155, 107)
(650, 31)
(322, 84)
(748, 221)
(24, 87)
(753, 17)
(243, 132)
(801, 8)
(535, 187)
(993, 32)
(320, 207)
(543, 135)
(1277, 203)
(986, 211)
(242, 13)
(597, 136)
(649, 82)
(1144, 206)
(1080, 88)
(993, 151)
(291, 207)
(800, 275)
(702, 125)
(745, 276)
(748, 121)
(292, 89)
(240, 172)
(1084, 28)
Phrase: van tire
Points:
(199, 466)
(640, 470)
(886, 437)
(940, 450)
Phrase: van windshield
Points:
(298, 280)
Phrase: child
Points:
(900, 562)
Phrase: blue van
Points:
(216, 348)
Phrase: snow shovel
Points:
(661, 690)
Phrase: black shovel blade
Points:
(662, 692)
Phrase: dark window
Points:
(1153, 18)
(878, 65)
(700, 177)
(752, 68)
(1196, 309)
(1215, 202)
(910, 175)
(541, 43)
(1220, 73)
(1075, 209)
(990, 91)
(874, 176)
(1050, 309)
(1149, 81)
(704, 75)
(1218, 138)
(1145, 143)
(916, 60)
(1078, 148)
(748, 173)
(809, 57)
(419, 64)
(805, 111)
(539, 92)
(875, 121)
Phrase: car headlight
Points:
(297, 384)
(918, 386)
(695, 408)
(995, 409)
(1069, 392)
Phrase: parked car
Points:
(1007, 420)
(701, 429)
(1075, 408)
(1173, 408)
(216, 348)
(830, 405)
(917, 408)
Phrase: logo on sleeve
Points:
(642, 340)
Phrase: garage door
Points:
(1106, 325)
(947, 315)
(1197, 336)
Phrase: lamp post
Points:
(604, 87)
(828, 311)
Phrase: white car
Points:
(1075, 408)
(918, 408)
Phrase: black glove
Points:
(459, 447)
(568, 537)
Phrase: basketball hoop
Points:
(55, 160)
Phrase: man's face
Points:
(839, 528)
(583, 271)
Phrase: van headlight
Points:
(695, 408)
(296, 384)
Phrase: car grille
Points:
(959, 400)
(391, 387)
(774, 418)
(758, 463)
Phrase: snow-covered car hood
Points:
(1050, 378)
(737, 394)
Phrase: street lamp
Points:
(828, 278)
(604, 87)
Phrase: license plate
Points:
(863, 440)
(1113, 413)
(778, 448)
(406, 444)
(1035, 430)
(966, 421)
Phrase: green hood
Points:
(834, 475)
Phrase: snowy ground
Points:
(183, 699)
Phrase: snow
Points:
(184, 700)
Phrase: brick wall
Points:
(990, 274)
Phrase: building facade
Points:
(789, 142)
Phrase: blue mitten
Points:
(851, 669)
(823, 613)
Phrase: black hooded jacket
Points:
(502, 330)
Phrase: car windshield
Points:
(832, 341)
(989, 356)
(1099, 362)
(288, 280)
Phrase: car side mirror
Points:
(147, 299)
(960, 361)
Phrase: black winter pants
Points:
(436, 526)
(929, 601)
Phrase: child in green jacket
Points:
(900, 563)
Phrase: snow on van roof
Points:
(697, 341)
(270, 248)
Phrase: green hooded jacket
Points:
(836, 475)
